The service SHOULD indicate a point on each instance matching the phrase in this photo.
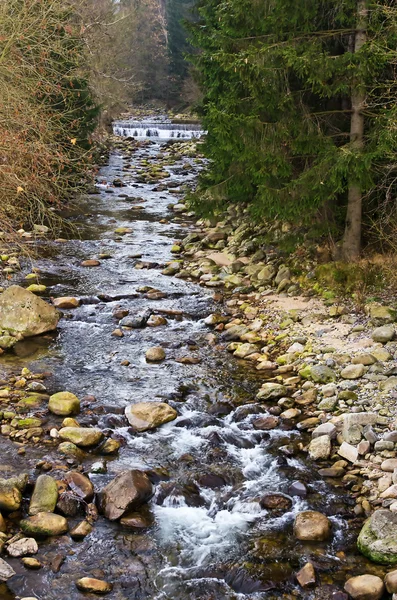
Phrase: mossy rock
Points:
(378, 538)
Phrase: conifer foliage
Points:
(300, 107)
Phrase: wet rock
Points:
(128, 491)
(148, 415)
(3, 526)
(271, 391)
(83, 437)
(45, 495)
(23, 547)
(297, 488)
(312, 526)
(81, 530)
(11, 491)
(71, 450)
(320, 448)
(80, 485)
(378, 537)
(266, 423)
(353, 371)
(31, 563)
(91, 262)
(69, 505)
(110, 446)
(365, 587)
(6, 571)
(155, 354)
(64, 404)
(21, 312)
(306, 576)
(95, 586)
(142, 519)
(66, 302)
(44, 524)
(276, 502)
(156, 321)
(383, 334)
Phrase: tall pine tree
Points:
(299, 104)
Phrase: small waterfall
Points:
(157, 131)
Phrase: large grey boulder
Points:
(378, 537)
(24, 313)
(353, 424)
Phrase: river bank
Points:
(230, 471)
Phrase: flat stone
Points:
(312, 526)
(95, 586)
(328, 429)
(6, 571)
(83, 437)
(45, 495)
(149, 415)
(64, 404)
(390, 492)
(91, 262)
(44, 524)
(331, 472)
(23, 547)
(365, 587)
(348, 452)
(24, 313)
(271, 391)
(306, 576)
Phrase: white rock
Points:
(348, 452)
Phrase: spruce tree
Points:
(299, 104)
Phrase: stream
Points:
(210, 538)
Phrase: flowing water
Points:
(210, 538)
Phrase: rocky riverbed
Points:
(175, 440)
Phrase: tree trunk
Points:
(351, 243)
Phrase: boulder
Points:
(45, 495)
(353, 424)
(266, 423)
(270, 391)
(95, 586)
(23, 547)
(83, 437)
(365, 587)
(382, 334)
(149, 415)
(322, 374)
(328, 429)
(6, 572)
(353, 371)
(128, 491)
(64, 404)
(320, 448)
(44, 524)
(312, 526)
(21, 312)
(11, 491)
(378, 537)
